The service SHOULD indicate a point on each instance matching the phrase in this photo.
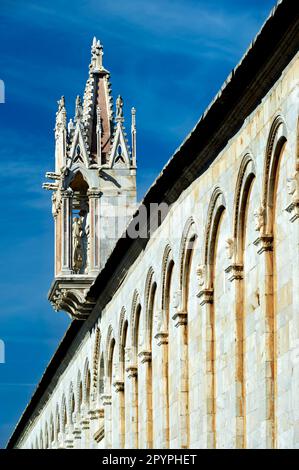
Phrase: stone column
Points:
(180, 319)
(235, 276)
(206, 302)
(119, 415)
(265, 250)
(132, 406)
(107, 404)
(66, 214)
(96, 418)
(145, 401)
(162, 341)
(94, 235)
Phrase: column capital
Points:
(84, 423)
(96, 413)
(132, 371)
(94, 193)
(161, 337)
(77, 432)
(106, 399)
(180, 318)
(206, 296)
(145, 356)
(264, 243)
(67, 193)
(235, 272)
(119, 386)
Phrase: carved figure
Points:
(293, 186)
(259, 215)
(229, 246)
(77, 244)
(201, 274)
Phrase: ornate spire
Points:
(133, 136)
(97, 53)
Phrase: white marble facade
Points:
(199, 345)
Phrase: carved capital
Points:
(85, 424)
(264, 243)
(162, 338)
(293, 210)
(235, 272)
(205, 296)
(145, 356)
(132, 371)
(180, 318)
(119, 386)
(77, 433)
(67, 193)
(106, 399)
(94, 193)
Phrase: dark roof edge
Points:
(284, 14)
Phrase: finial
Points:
(96, 55)
(119, 109)
(78, 113)
(133, 136)
(133, 113)
(61, 103)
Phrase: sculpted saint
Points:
(259, 219)
(77, 244)
(293, 186)
(119, 107)
(229, 246)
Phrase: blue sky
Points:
(168, 58)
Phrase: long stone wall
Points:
(199, 346)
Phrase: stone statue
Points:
(293, 186)
(119, 107)
(229, 246)
(201, 274)
(259, 215)
(176, 300)
(77, 244)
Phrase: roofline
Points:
(279, 29)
